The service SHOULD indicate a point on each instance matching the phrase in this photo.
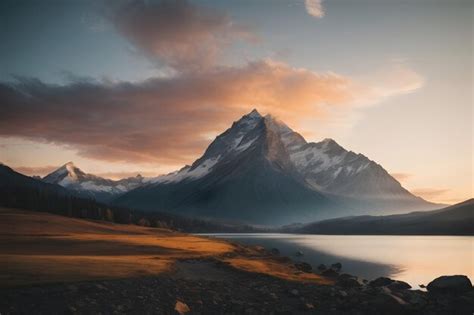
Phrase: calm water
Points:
(414, 259)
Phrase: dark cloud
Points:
(178, 33)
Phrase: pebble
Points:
(181, 307)
(294, 292)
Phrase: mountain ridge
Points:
(89, 185)
(456, 219)
(263, 157)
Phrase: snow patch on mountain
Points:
(244, 146)
(102, 189)
(188, 172)
(317, 158)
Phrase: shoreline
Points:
(130, 269)
(209, 286)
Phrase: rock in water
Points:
(275, 251)
(181, 308)
(299, 253)
(399, 285)
(381, 282)
(337, 266)
(450, 284)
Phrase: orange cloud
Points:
(315, 8)
(169, 120)
(429, 193)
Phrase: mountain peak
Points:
(254, 114)
(70, 166)
(328, 141)
(261, 171)
(67, 170)
(277, 125)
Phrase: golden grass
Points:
(34, 269)
(275, 269)
(40, 247)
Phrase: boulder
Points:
(386, 304)
(336, 266)
(322, 267)
(305, 267)
(347, 281)
(299, 253)
(309, 306)
(381, 282)
(399, 285)
(275, 251)
(329, 273)
(294, 292)
(450, 284)
(346, 276)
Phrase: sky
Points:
(127, 87)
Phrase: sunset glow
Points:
(142, 92)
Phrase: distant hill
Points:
(454, 220)
(24, 192)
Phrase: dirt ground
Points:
(38, 248)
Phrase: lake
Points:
(414, 259)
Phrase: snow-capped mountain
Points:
(261, 171)
(92, 186)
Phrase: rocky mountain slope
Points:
(91, 186)
(260, 171)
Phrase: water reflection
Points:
(414, 259)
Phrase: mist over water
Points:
(414, 259)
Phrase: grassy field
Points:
(40, 248)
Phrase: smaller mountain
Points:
(20, 191)
(10, 180)
(27, 193)
(453, 220)
(89, 185)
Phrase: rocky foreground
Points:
(209, 286)
(158, 271)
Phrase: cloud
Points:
(177, 33)
(429, 193)
(401, 177)
(168, 120)
(315, 8)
